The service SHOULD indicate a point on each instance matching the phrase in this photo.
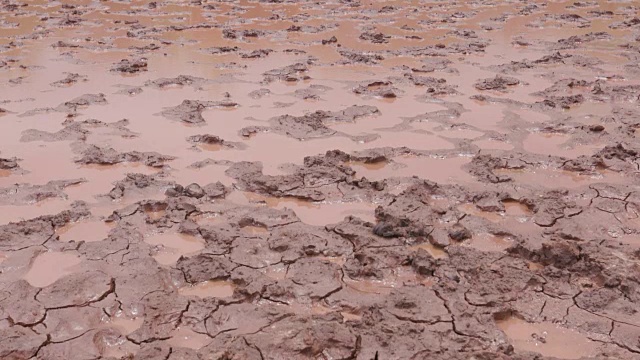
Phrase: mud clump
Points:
(313, 125)
(291, 73)
(214, 142)
(108, 156)
(212, 191)
(382, 89)
(9, 163)
(181, 80)
(331, 40)
(376, 38)
(190, 111)
(138, 183)
(127, 66)
(356, 57)
(72, 78)
(315, 181)
(257, 54)
(499, 83)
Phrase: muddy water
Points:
(51, 266)
(489, 242)
(547, 339)
(103, 103)
(216, 289)
(123, 324)
(171, 246)
(84, 230)
(447, 171)
(433, 250)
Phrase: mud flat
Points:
(319, 180)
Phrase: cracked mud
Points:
(319, 180)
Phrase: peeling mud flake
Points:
(547, 339)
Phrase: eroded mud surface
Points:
(319, 180)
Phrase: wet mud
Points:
(319, 180)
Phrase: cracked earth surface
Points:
(319, 180)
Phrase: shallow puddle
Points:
(186, 338)
(173, 246)
(370, 286)
(554, 144)
(367, 165)
(255, 230)
(493, 145)
(51, 266)
(155, 212)
(489, 242)
(123, 324)
(445, 171)
(84, 230)
(515, 208)
(435, 251)
(207, 289)
(471, 209)
(547, 339)
(312, 213)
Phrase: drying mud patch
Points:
(329, 180)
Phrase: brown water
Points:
(216, 289)
(84, 230)
(51, 266)
(123, 324)
(489, 242)
(172, 246)
(435, 251)
(547, 339)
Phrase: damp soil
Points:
(192, 180)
